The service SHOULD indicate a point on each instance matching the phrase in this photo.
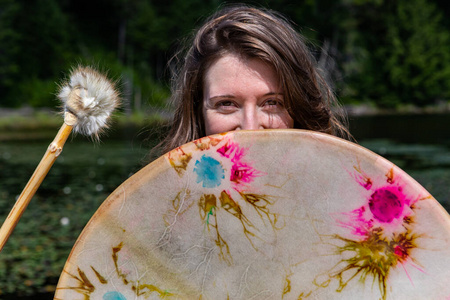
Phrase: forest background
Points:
(388, 54)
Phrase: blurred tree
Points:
(9, 47)
(156, 27)
(417, 53)
(40, 40)
(148, 34)
(401, 53)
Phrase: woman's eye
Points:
(225, 103)
(274, 103)
(225, 106)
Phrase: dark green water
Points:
(86, 173)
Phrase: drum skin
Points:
(269, 214)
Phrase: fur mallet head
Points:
(89, 98)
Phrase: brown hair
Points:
(253, 33)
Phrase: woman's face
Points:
(242, 94)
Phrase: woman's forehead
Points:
(238, 70)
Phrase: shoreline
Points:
(29, 123)
(362, 110)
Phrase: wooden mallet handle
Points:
(52, 153)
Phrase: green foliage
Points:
(402, 52)
(35, 44)
(390, 53)
(35, 92)
(417, 53)
(8, 41)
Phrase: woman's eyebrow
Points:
(222, 96)
(274, 94)
(232, 96)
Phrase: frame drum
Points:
(270, 214)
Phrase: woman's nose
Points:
(252, 120)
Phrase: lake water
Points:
(86, 173)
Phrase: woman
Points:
(247, 68)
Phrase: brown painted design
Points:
(86, 288)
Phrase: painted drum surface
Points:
(271, 214)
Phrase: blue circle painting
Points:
(209, 171)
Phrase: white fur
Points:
(91, 97)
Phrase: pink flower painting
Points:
(380, 235)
